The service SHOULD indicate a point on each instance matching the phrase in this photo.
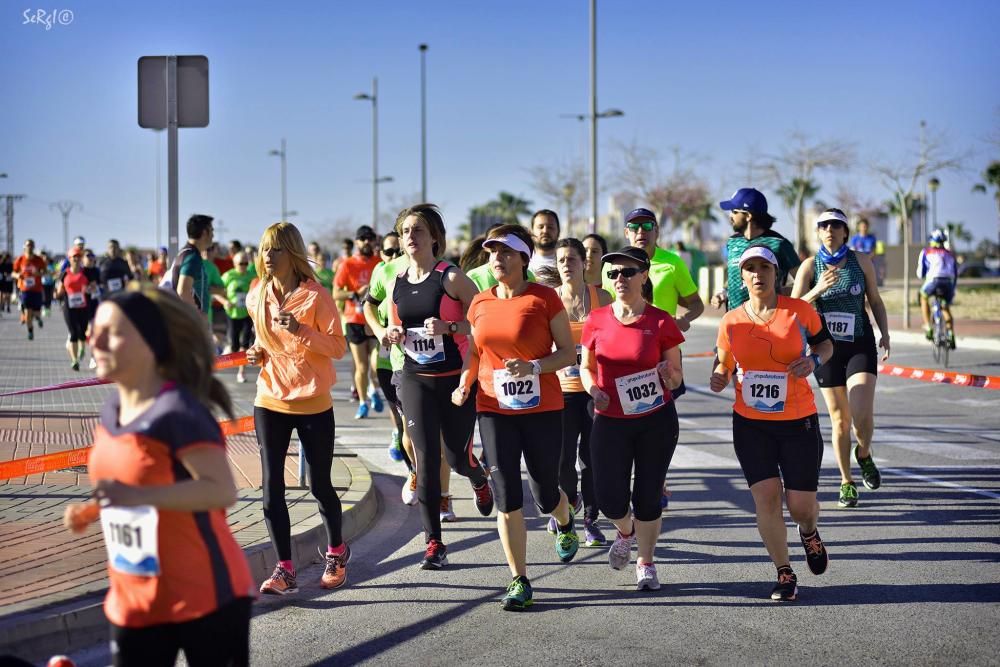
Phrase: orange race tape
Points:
(35, 465)
(941, 377)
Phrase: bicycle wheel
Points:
(941, 345)
(936, 341)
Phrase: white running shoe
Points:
(620, 552)
(645, 577)
(447, 511)
(410, 489)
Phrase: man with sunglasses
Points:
(752, 225)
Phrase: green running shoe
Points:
(869, 471)
(848, 495)
(518, 597)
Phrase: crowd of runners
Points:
(565, 352)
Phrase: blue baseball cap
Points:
(746, 199)
(640, 214)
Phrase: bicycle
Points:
(939, 329)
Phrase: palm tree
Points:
(509, 207)
(991, 176)
(795, 194)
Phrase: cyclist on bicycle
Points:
(938, 268)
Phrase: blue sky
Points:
(718, 79)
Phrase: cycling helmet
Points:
(938, 236)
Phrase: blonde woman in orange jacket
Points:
(298, 337)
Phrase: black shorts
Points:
(537, 436)
(77, 320)
(849, 357)
(240, 334)
(357, 335)
(31, 301)
(789, 449)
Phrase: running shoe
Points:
(41, 325)
(376, 401)
(281, 582)
(335, 572)
(787, 587)
(362, 412)
(447, 512)
(354, 395)
(816, 555)
(31, 334)
(518, 597)
(93, 363)
(568, 543)
(396, 447)
(553, 526)
(592, 535)
(484, 497)
(410, 489)
(620, 552)
(645, 577)
(75, 365)
(435, 557)
(869, 471)
(848, 495)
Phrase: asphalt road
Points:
(913, 579)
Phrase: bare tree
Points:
(853, 203)
(902, 177)
(792, 169)
(567, 184)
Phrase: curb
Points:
(80, 623)
(909, 337)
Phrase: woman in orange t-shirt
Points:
(776, 431)
(514, 327)
(298, 337)
(178, 579)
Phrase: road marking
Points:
(901, 472)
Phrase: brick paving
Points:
(34, 545)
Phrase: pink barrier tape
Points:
(941, 377)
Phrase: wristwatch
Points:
(453, 328)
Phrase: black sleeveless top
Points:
(414, 303)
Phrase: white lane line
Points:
(900, 472)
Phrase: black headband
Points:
(145, 316)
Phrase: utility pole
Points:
(66, 207)
(9, 213)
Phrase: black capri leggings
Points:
(274, 433)
(77, 320)
(646, 443)
(537, 437)
(240, 334)
(430, 415)
(220, 638)
(577, 421)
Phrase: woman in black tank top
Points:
(428, 320)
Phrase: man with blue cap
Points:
(752, 224)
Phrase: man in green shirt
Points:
(237, 284)
(187, 276)
(324, 276)
(752, 226)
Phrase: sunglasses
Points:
(391, 252)
(829, 223)
(627, 272)
(244, 264)
(646, 226)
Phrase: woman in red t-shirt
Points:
(178, 579)
(514, 328)
(74, 289)
(631, 362)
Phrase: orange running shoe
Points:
(281, 582)
(335, 573)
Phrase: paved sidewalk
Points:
(52, 583)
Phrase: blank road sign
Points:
(192, 92)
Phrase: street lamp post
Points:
(423, 122)
(373, 97)
(284, 183)
(594, 117)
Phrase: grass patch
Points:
(981, 302)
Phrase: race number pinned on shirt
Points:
(240, 300)
(130, 535)
(514, 393)
(765, 391)
(422, 348)
(383, 351)
(574, 370)
(115, 284)
(76, 299)
(840, 325)
(29, 282)
(640, 392)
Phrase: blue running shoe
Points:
(396, 447)
(519, 595)
(362, 412)
(376, 401)
(567, 543)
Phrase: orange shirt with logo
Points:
(30, 270)
(354, 274)
(754, 345)
(516, 328)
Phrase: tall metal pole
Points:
(375, 152)
(172, 194)
(593, 116)
(423, 122)
(159, 182)
(65, 207)
(284, 184)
